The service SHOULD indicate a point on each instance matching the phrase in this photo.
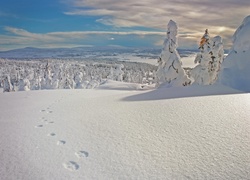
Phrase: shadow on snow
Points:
(182, 92)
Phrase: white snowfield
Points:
(196, 132)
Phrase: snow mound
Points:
(241, 38)
(235, 68)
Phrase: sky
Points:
(115, 23)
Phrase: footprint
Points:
(46, 122)
(51, 134)
(61, 142)
(43, 110)
(71, 165)
(39, 126)
(82, 154)
(49, 111)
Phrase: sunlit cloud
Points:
(194, 16)
(121, 23)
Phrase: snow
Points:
(188, 61)
(195, 132)
(235, 72)
(235, 68)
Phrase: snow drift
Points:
(125, 134)
(235, 68)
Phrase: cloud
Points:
(193, 16)
(4, 14)
(77, 34)
(20, 37)
(17, 38)
(32, 36)
(155, 13)
(60, 36)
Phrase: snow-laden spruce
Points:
(170, 72)
(7, 86)
(235, 69)
(209, 60)
(117, 73)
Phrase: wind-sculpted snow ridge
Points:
(70, 74)
(235, 72)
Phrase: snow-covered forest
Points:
(38, 74)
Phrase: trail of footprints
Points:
(70, 165)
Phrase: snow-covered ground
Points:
(196, 132)
(187, 60)
(144, 55)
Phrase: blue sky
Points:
(72, 23)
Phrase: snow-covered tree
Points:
(56, 76)
(24, 85)
(170, 71)
(118, 72)
(209, 60)
(78, 80)
(111, 74)
(35, 82)
(200, 72)
(217, 55)
(7, 86)
(47, 80)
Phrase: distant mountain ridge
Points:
(81, 52)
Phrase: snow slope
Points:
(196, 132)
